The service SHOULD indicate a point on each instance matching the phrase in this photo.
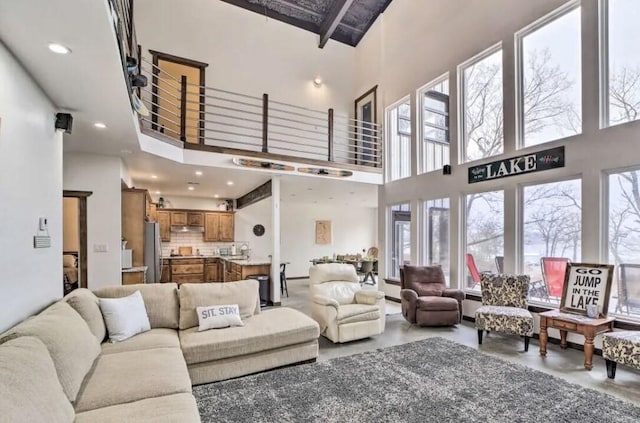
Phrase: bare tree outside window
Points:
(551, 100)
(624, 238)
(484, 233)
(482, 108)
(623, 61)
(399, 141)
(552, 227)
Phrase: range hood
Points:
(187, 229)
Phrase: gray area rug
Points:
(433, 380)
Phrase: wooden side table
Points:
(589, 328)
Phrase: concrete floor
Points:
(565, 364)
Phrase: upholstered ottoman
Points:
(623, 348)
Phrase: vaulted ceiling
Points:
(346, 21)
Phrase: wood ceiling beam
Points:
(331, 22)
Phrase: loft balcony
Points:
(191, 116)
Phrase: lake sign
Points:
(527, 163)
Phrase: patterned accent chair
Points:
(425, 298)
(504, 306)
(623, 348)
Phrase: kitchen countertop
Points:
(135, 269)
(250, 262)
(238, 259)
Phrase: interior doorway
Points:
(74, 239)
(168, 72)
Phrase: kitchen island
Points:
(201, 269)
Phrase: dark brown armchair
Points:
(425, 298)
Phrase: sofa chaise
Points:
(57, 367)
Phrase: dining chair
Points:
(628, 287)
(553, 270)
(473, 270)
(283, 279)
(366, 269)
(500, 264)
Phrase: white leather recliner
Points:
(344, 311)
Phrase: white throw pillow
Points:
(218, 316)
(124, 316)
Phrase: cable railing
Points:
(225, 119)
(207, 116)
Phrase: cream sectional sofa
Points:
(57, 367)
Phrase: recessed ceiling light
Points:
(154, 176)
(229, 183)
(309, 189)
(330, 198)
(190, 188)
(293, 195)
(198, 173)
(216, 196)
(59, 48)
(158, 192)
(100, 125)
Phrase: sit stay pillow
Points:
(125, 317)
(218, 316)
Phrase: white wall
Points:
(415, 44)
(247, 218)
(249, 54)
(30, 187)
(101, 175)
(354, 229)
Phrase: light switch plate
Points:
(100, 248)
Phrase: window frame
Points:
(568, 7)
(391, 239)
(520, 226)
(425, 231)
(604, 235)
(461, 125)
(420, 148)
(388, 150)
(462, 236)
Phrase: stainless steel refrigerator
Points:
(152, 251)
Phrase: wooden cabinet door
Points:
(164, 218)
(212, 273)
(179, 218)
(166, 273)
(195, 219)
(212, 227)
(226, 227)
(179, 279)
(153, 212)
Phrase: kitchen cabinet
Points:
(164, 219)
(187, 270)
(134, 206)
(134, 276)
(218, 227)
(166, 271)
(195, 219)
(238, 272)
(212, 270)
(178, 218)
(152, 212)
(227, 227)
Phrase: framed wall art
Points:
(586, 285)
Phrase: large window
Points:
(552, 226)
(399, 140)
(434, 134)
(484, 243)
(624, 239)
(621, 61)
(481, 106)
(400, 238)
(436, 241)
(549, 97)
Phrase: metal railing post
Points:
(265, 123)
(183, 108)
(330, 132)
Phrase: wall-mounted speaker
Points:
(64, 121)
(446, 170)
